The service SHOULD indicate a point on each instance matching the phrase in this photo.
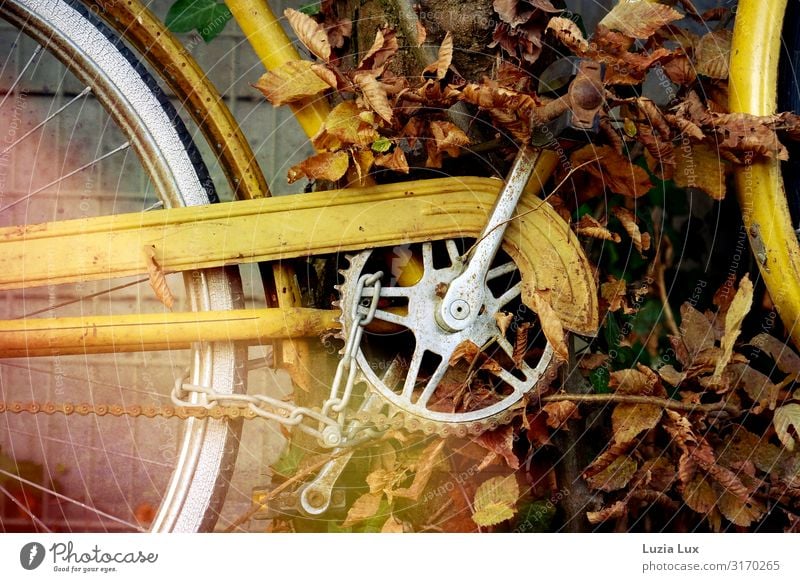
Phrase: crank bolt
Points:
(459, 309)
(332, 436)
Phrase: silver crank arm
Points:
(464, 297)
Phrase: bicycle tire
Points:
(132, 98)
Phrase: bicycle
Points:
(113, 247)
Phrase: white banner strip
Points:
(398, 557)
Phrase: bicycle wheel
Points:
(127, 97)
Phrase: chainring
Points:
(409, 406)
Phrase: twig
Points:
(636, 399)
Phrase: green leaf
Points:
(599, 378)
(208, 17)
(495, 500)
(289, 461)
(381, 145)
(311, 9)
(536, 517)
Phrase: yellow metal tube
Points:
(274, 48)
(753, 88)
(157, 331)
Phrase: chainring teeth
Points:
(397, 417)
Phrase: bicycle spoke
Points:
(510, 294)
(50, 117)
(452, 251)
(391, 317)
(413, 371)
(13, 86)
(70, 500)
(81, 298)
(433, 383)
(501, 270)
(116, 150)
(25, 509)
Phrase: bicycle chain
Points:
(381, 422)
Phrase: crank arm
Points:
(464, 297)
(315, 498)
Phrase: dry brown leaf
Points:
(374, 95)
(423, 469)
(680, 71)
(612, 453)
(445, 56)
(628, 420)
(422, 34)
(325, 166)
(362, 161)
(393, 525)
(615, 476)
(632, 382)
(589, 226)
(363, 508)
(787, 417)
(467, 351)
(503, 320)
(781, 352)
(614, 293)
(338, 30)
(592, 361)
(758, 387)
(383, 48)
(700, 166)
(641, 241)
(158, 280)
(613, 170)
(558, 413)
(737, 311)
(567, 31)
(521, 342)
(699, 495)
(500, 442)
(551, 324)
(696, 332)
(291, 82)
(448, 137)
(395, 161)
(713, 53)
(671, 375)
(310, 33)
(614, 511)
(738, 512)
(639, 19)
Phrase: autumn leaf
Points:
(448, 137)
(363, 161)
(781, 352)
(738, 512)
(363, 508)
(699, 495)
(325, 166)
(374, 95)
(614, 511)
(423, 469)
(700, 166)
(614, 294)
(628, 420)
(613, 170)
(713, 53)
(632, 382)
(495, 501)
(787, 417)
(500, 442)
(158, 281)
(444, 57)
(395, 161)
(393, 525)
(639, 19)
(310, 33)
(559, 413)
(551, 324)
(346, 124)
(290, 82)
(615, 476)
(737, 311)
(641, 241)
(383, 48)
(590, 226)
